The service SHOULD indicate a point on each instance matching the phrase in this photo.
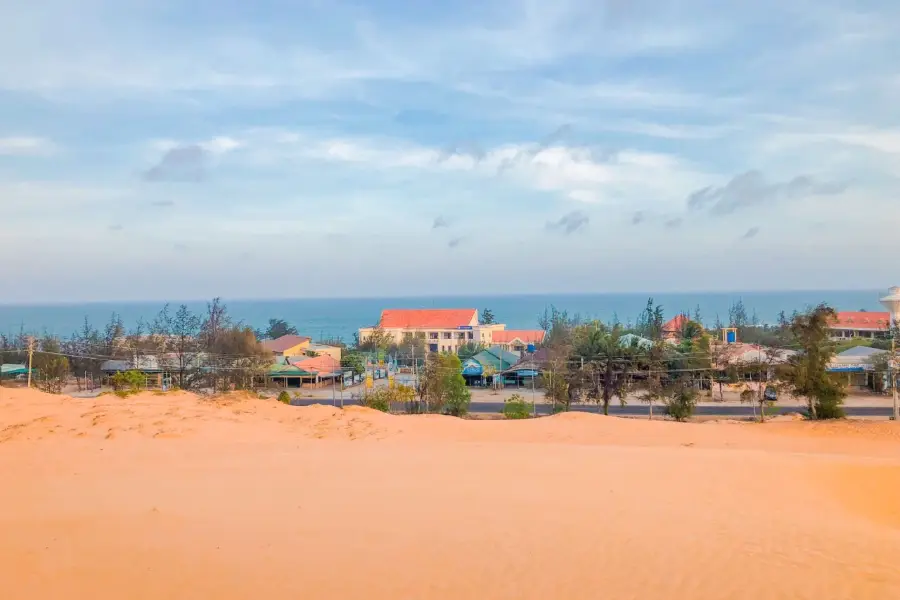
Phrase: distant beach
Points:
(324, 318)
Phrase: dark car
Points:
(771, 394)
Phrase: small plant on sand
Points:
(284, 397)
(515, 407)
(379, 399)
(125, 383)
(680, 402)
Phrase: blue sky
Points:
(154, 149)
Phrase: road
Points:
(638, 410)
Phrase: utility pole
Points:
(896, 412)
(30, 357)
(892, 303)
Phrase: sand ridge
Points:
(235, 497)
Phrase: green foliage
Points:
(377, 340)
(442, 387)
(680, 402)
(128, 382)
(384, 398)
(748, 396)
(807, 375)
(353, 361)
(607, 360)
(284, 397)
(487, 317)
(556, 388)
(278, 328)
(515, 407)
(470, 349)
(379, 399)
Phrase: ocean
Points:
(341, 317)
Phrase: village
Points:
(737, 363)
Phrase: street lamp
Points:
(892, 303)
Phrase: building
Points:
(306, 371)
(334, 352)
(864, 324)
(442, 329)
(671, 329)
(487, 363)
(858, 364)
(517, 340)
(12, 371)
(287, 345)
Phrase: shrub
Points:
(681, 402)
(379, 399)
(129, 382)
(515, 407)
(284, 397)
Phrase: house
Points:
(11, 371)
(154, 373)
(334, 352)
(443, 329)
(861, 323)
(487, 362)
(300, 371)
(858, 363)
(671, 329)
(287, 345)
(517, 340)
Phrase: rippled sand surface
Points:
(171, 496)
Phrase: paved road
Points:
(636, 410)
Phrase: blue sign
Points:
(531, 348)
(466, 327)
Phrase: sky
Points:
(160, 149)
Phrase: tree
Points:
(442, 387)
(237, 359)
(353, 361)
(126, 382)
(807, 374)
(378, 339)
(487, 317)
(737, 314)
(51, 369)
(278, 328)
(653, 386)
(681, 399)
(608, 362)
(184, 329)
(470, 349)
(113, 334)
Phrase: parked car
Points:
(771, 394)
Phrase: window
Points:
(432, 347)
(461, 335)
(432, 335)
(448, 335)
(471, 335)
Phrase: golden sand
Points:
(171, 496)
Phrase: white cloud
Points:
(27, 146)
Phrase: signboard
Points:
(391, 381)
(465, 327)
(370, 383)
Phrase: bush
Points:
(379, 399)
(284, 397)
(129, 382)
(515, 407)
(681, 402)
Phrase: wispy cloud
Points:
(27, 146)
(183, 163)
(751, 189)
(570, 223)
(750, 233)
(439, 222)
(455, 242)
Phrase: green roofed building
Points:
(10, 371)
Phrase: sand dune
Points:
(174, 496)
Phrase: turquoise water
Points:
(341, 317)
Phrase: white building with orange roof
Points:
(860, 324)
(442, 329)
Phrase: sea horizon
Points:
(341, 317)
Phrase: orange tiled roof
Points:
(285, 342)
(675, 325)
(527, 336)
(434, 318)
(317, 364)
(878, 321)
